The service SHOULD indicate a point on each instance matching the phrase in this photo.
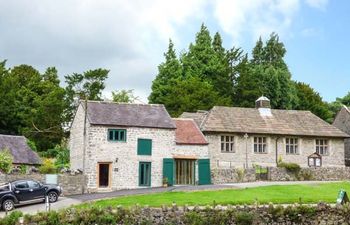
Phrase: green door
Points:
(168, 170)
(204, 171)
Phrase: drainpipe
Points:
(84, 143)
(277, 149)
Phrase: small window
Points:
(322, 146)
(117, 135)
(21, 185)
(260, 145)
(144, 146)
(227, 144)
(291, 145)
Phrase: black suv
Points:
(25, 192)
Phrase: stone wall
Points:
(71, 184)
(232, 175)
(232, 215)
(319, 173)
(244, 151)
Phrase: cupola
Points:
(262, 102)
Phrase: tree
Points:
(309, 99)
(268, 75)
(191, 94)
(168, 72)
(33, 105)
(126, 96)
(88, 85)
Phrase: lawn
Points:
(276, 194)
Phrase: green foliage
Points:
(337, 104)
(6, 160)
(32, 104)
(23, 169)
(88, 85)
(124, 96)
(240, 174)
(290, 167)
(267, 74)
(12, 218)
(244, 218)
(309, 99)
(48, 167)
(60, 153)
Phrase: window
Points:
(292, 145)
(260, 145)
(21, 185)
(322, 146)
(145, 174)
(117, 135)
(144, 146)
(33, 184)
(227, 144)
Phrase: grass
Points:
(285, 194)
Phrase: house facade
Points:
(342, 121)
(124, 146)
(244, 137)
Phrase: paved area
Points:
(64, 202)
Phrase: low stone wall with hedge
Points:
(240, 215)
(235, 175)
(71, 184)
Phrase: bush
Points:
(12, 218)
(244, 218)
(6, 160)
(47, 167)
(305, 175)
(290, 167)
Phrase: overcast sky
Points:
(129, 37)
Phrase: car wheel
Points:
(53, 196)
(8, 205)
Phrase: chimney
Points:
(262, 102)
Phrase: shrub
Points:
(6, 160)
(290, 167)
(12, 218)
(62, 157)
(240, 174)
(244, 218)
(47, 167)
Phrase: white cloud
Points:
(318, 4)
(127, 37)
(256, 17)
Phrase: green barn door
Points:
(168, 170)
(204, 171)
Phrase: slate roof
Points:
(130, 115)
(342, 119)
(198, 116)
(280, 122)
(21, 152)
(188, 133)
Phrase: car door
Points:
(36, 190)
(21, 190)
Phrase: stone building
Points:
(342, 121)
(244, 137)
(123, 146)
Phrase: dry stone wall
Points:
(236, 175)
